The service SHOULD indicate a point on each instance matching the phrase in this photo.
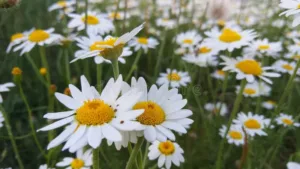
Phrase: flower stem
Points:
(36, 70)
(160, 53)
(96, 158)
(134, 66)
(115, 64)
(236, 107)
(67, 66)
(134, 153)
(99, 77)
(12, 139)
(145, 155)
(45, 63)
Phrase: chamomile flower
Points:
(109, 48)
(269, 104)
(293, 165)
(163, 111)
(127, 137)
(250, 90)
(83, 160)
(217, 108)
(230, 38)
(143, 43)
(16, 39)
(94, 116)
(167, 153)
(218, 74)
(252, 123)
(61, 5)
(283, 66)
(1, 119)
(206, 50)
(292, 8)
(286, 120)
(166, 23)
(235, 134)
(44, 166)
(5, 88)
(248, 69)
(96, 23)
(174, 78)
(188, 39)
(37, 37)
(263, 48)
(295, 47)
(200, 61)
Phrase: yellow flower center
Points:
(220, 72)
(296, 57)
(114, 15)
(298, 6)
(221, 23)
(91, 20)
(153, 114)
(229, 36)
(77, 164)
(287, 67)
(264, 47)
(271, 102)
(43, 71)
(94, 112)
(16, 36)
(96, 45)
(166, 148)
(287, 121)
(174, 77)
(142, 41)
(38, 36)
(249, 67)
(62, 3)
(252, 124)
(235, 135)
(188, 41)
(204, 50)
(249, 91)
(16, 71)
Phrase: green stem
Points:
(160, 53)
(67, 66)
(96, 164)
(36, 70)
(210, 85)
(236, 107)
(29, 111)
(115, 64)
(99, 77)
(12, 139)
(134, 153)
(17, 137)
(45, 63)
(134, 66)
(145, 155)
(86, 15)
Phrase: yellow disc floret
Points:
(94, 112)
(153, 113)
(287, 67)
(287, 121)
(38, 36)
(174, 77)
(252, 124)
(166, 148)
(62, 4)
(264, 47)
(235, 135)
(229, 36)
(143, 41)
(249, 91)
(188, 41)
(16, 36)
(203, 50)
(77, 164)
(90, 20)
(249, 67)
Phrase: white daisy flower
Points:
(293, 34)
(218, 74)
(188, 39)
(270, 104)
(283, 66)
(94, 116)
(128, 137)
(200, 61)
(230, 38)
(144, 43)
(264, 89)
(217, 108)
(294, 56)
(174, 78)
(163, 111)
(16, 39)
(286, 120)
(5, 88)
(292, 8)
(83, 160)
(44, 166)
(293, 165)
(96, 23)
(167, 153)
(90, 48)
(235, 134)
(206, 50)
(263, 48)
(110, 45)
(61, 5)
(252, 123)
(166, 23)
(118, 15)
(250, 90)
(295, 48)
(248, 69)
(37, 37)
(1, 119)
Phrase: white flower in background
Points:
(286, 120)
(235, 134)
(94, 116)
(294, 56)
(166, 23)
(294, 34)
(263, 48)
(264, 89)
(206, 50)
(252, 123)
(279, 23)
(295, 48)
(66, 40)
(96, 23)
(174, 78)
(128, 137)
(62, 5)
(255, 89)
(221, 9)
(163, 111)
(16, 39)
(143, 43)
(167, 153)
(5, 88)
(283, 66)
(269, 104)
(229, 38)
(1, 119)
(37, 37)
(218, 74)
(96, 46)
(292, 8)
(188, 39)
(217, 108)
(118, 15)
(248, 69)
(44, 166)
(200, 61)
(83, 160)
(293, 165)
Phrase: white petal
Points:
(111, 133)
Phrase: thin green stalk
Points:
(134, 153)
(36, 70)
(125, 15)
(99, 77)
(96, 164)
(67, 66)
(160, 53)
(145, 155)
(210, 85)
(12, 139)
(134, 65)
(236, 107)
(45, 63)
(86, 15)
(115, 64)
(29, 111)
